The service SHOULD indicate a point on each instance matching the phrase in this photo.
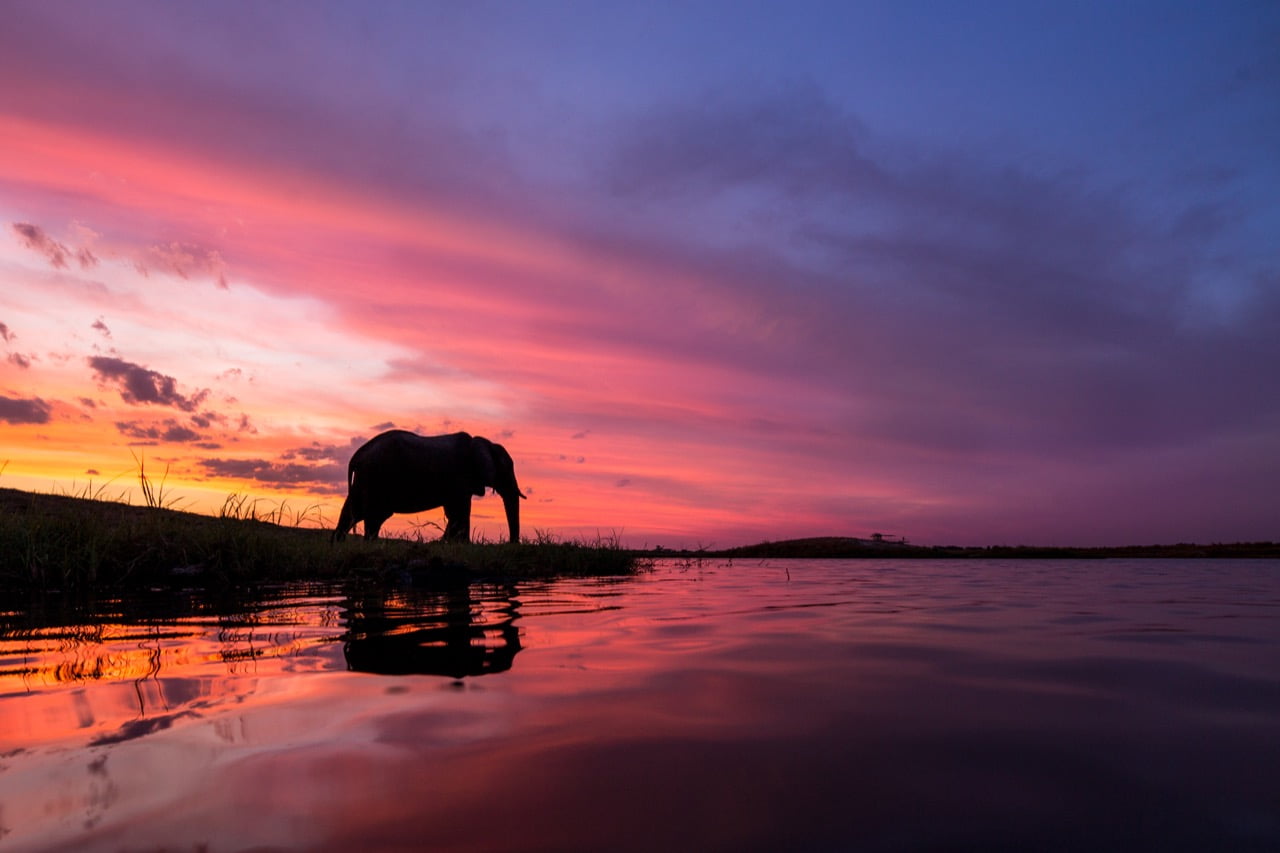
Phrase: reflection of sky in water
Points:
(801, 705)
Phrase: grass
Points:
(67, 543)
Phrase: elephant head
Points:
(492, 467)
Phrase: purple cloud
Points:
(183, 260)
(17, 410)
(316, 452)
(168, 430)
(329, 477)
(58, 254)
(139, 385)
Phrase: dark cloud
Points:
(208, 418)
(17, 410)
(383, 427)
(329, 477)
(168, 430)
(6, 335)
(139, 385)
(318, 466)
(101, 326)
(58, 254)
(316, 452)
(19, 360)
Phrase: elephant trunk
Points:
(511, 501)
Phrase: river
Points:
(777, 705)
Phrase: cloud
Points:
(941, 301)
(208, 418)
(168, 430)
(791, 138)
(329, 477)
(17, 410)
(316, 452)
(318, 466)
(183, 260)
(139, 385)
(101, 326)
(17, 359)
(58, 254)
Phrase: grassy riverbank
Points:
(55, 542)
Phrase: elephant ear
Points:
(482, 466)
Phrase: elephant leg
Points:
(373, 523)
(458, 527)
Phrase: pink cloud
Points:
(183, 260)
(57, 254)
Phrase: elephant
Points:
(399, 471)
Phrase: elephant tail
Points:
(348, 516)
(351, 472)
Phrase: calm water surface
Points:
(797, 705)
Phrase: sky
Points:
(713, 272)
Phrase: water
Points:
(804, 705)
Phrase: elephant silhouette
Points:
(399, 471)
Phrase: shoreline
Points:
(64, 543)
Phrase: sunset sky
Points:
(714, 273)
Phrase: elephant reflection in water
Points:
(447, 632)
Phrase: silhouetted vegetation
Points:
(57, 542)
(840, 547)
